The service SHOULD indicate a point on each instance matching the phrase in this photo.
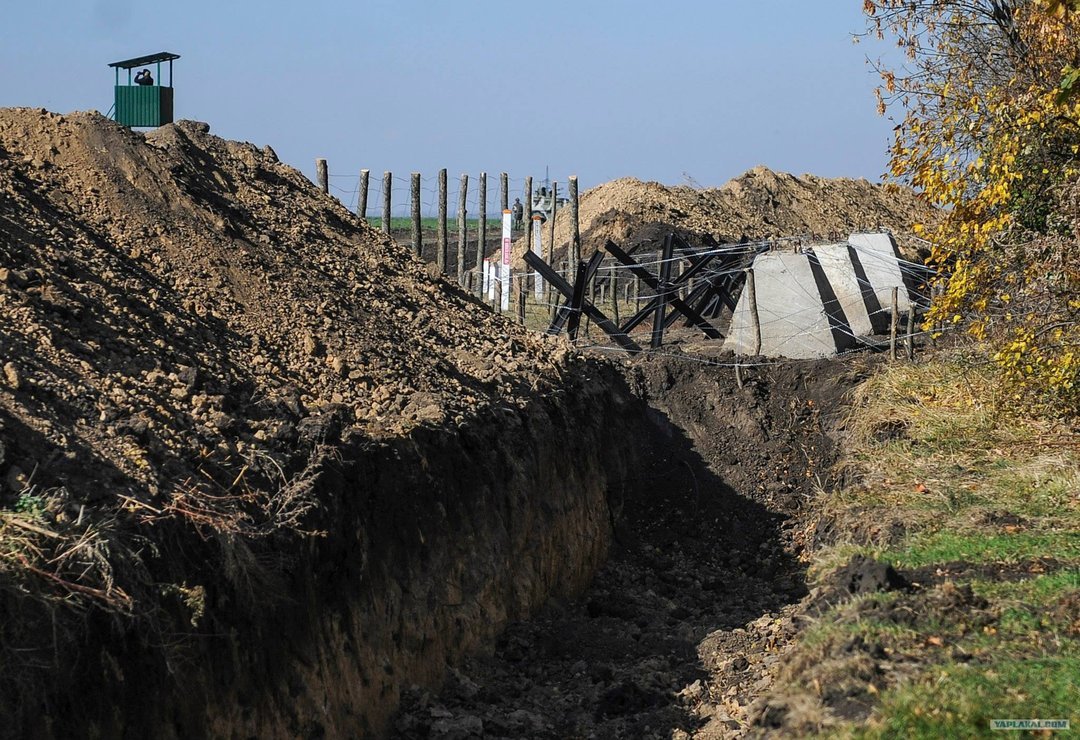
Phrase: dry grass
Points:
(939, 438)
(61, 572)
(936, 448)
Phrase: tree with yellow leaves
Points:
(990, 133)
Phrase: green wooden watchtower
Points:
(139, 104)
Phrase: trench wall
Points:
(433, 542)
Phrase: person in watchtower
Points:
(518, 212)
(144, 78)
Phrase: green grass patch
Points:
(935, 437)
(848, 622)
(932, 448)
(959, 701)
(1016, 622)
(1040, 590)
(945, 547)
(1045, 488)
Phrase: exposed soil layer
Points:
(843, 677)
(1000, 572)
(703, 574)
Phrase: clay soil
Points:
(186, 325)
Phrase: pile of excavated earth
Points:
(181, 319)
(758, 205)
(263, 473)
(172, 296)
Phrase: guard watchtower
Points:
(144, 101)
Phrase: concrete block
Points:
(794, 320)
(836, 261)
(876, 263)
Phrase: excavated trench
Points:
(576, 568)
(703, 545)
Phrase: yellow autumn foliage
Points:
(991, 135)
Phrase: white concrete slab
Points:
(836, 262)
(876, 260)
(793, 318)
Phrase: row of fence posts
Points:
(471, 280)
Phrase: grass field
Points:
(987, 504)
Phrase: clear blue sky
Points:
(599, 88)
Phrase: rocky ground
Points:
(954, 608)
(173, 293)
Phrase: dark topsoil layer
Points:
(704, 561)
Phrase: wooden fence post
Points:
(551, 245)
(936, 292)
(664, 285)
(481, 232)
(361, 203)
(614, 293)
(575, 234)
(440, 257)
(892, 325)
(387, 192)
(463, 229)
(521, 299)
(526, 211)
(527, 223)
(322, 175)
(554, 210)
(417, 232)
(911, 332)
(751, 299)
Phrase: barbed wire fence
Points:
(410, 207)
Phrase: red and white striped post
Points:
(504, 275)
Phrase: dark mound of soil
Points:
(862, 575)
(187, 329)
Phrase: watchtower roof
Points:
(161, 56)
